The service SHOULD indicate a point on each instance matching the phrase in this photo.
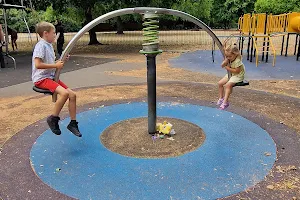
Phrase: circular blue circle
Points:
(236, 154)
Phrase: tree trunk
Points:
(119, 25)
(92, 32)
(225, 25)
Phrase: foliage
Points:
(71, 18)
(225, 13)
(277, 6)
(200, 9)
(216, 13)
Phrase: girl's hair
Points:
(233, 49)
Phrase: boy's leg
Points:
(221, 84)
(59, 104)
(54, 118)
(73, 126)
(64, 95)
(72, 104)
(59, 89)
(72, 99)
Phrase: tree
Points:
(219, 15)
(108, 6)
(227, 12)
(86, 5)
(120, 29)
(72, 18)
(200, 9)
(92, 32)
(239, 7)
(276, 6)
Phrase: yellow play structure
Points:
(262, 28)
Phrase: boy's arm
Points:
(39, 64)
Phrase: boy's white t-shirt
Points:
(43, 50)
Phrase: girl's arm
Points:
(225, 62)
(236, 70)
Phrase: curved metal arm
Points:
(140, 10)
(87, 28)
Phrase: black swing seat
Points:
(242, 83)
(39, 90)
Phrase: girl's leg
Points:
(221, 84)
(228, 91)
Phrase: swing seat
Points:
(39, 90)
(242, 83)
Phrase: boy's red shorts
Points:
(49, 84)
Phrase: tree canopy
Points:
(75, 13)
(277, 6)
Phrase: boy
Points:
(43, 70)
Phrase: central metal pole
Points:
(151, 84)
(150, 50)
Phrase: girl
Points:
(232, 63)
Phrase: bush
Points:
(72, 19)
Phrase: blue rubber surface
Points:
(231, 159)
(286, 68)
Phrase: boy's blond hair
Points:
(233, 49)
(44, 26)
